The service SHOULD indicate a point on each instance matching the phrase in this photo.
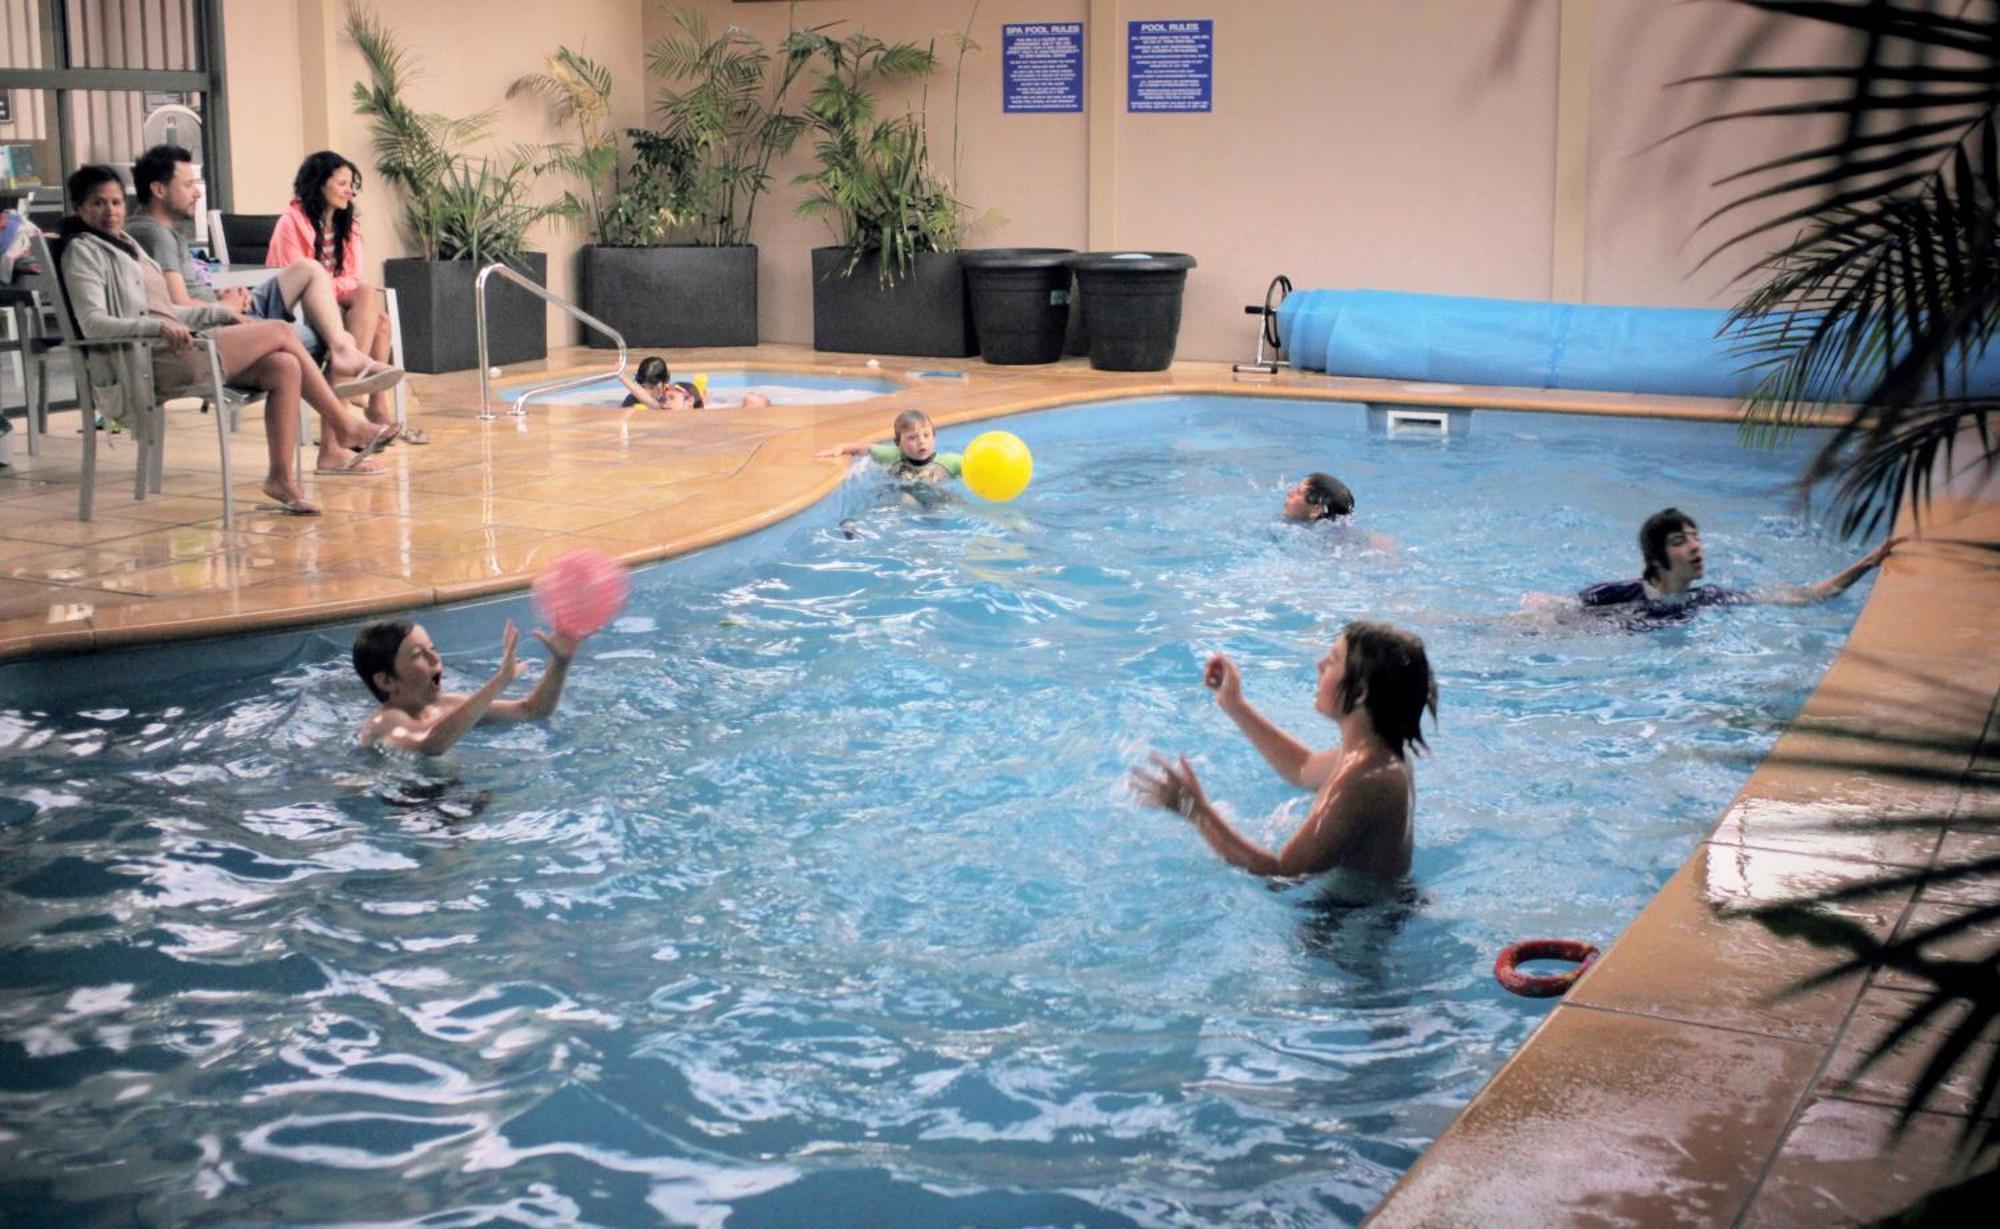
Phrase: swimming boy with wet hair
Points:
(1666, 592)
(400, 665)
(1318, 497)
(913, 457)
(1375, 683)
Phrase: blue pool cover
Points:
(1528, 344)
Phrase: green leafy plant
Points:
(455, 207)
(579, 91)
(876, 184)
(714, 113)
(654, 197)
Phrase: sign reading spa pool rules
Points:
(1042, 66)
(1170, 65)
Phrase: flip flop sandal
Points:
(350, 471)
(289, 507)
(382, 439)
(368, 381)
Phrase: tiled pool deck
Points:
(1674, 1084)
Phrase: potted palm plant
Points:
(892, 282)
(460, 213)
(672, 264)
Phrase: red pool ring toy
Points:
(1545, 985)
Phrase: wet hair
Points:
(1329, 494)
(1389, 674)
(652, 370)
(1653, 537)
(309, 189)
(908, 419)
(156, 166)
(375, 648)
(86, 179)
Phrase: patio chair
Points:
(145, 405)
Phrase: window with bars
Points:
(102, 81)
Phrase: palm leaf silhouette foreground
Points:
(1886, 283)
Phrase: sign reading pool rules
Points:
(1170, 65)
(1042, 66)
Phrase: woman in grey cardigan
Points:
(116, 290)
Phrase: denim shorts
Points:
(267, 302)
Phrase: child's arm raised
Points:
(541, 702)
(460, 714)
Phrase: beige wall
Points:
(1646, 198)
(1410, 144)
(266, 106)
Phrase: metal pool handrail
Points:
(486, 411)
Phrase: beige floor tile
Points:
(1690, 955)
(102, 527)
(535, 513)
(1889, 1079)
(278, 602)
(1968, 943)
(20, 486)
(1844, 1165)
(477, 575)
(175, 509)
(1974, 830)
(52, 606)
(76, 565)
(20, 548)
(1612, 1120)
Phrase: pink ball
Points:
(582, 591)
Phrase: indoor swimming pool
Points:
(823, 900)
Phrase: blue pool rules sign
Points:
(1042, 66)
(1170, 65)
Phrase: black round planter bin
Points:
(1135, 306)
(1020, 302)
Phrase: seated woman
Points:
(320, 225)
(116, 290)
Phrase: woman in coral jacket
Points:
(320, 225)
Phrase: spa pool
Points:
(823, 902)
(726, 386)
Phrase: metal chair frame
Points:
(146, 409)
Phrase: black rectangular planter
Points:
(439, 334)
(671, 296)
(925, 313)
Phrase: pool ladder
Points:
(520, 408)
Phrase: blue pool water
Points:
(727, 386)
(824, 902)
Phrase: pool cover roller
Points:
(1392, 335)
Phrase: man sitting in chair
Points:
(300, 294)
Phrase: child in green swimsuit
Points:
(913, 457)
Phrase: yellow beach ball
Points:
(998, 466)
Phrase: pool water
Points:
(726, 387)
(824, 900)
